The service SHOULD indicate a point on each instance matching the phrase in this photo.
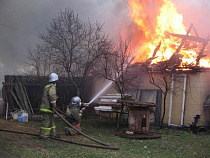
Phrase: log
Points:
(25, 100)
(29, 103)
(137, 103)
(16, 100)
(200, 55)
(148, 62)
(190, 38)
(19, 97)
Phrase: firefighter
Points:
(48, 128)
(74, 111)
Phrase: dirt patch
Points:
(31, 141)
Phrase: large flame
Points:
(154, 18)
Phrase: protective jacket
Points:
(74, 113)
(49, 98)
(74, 120)
(48, 128)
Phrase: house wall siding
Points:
(197, 89)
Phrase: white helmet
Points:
(76, 100)
(53, 77)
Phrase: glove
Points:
(53, 105)
(85, 105)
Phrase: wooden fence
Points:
(25, 92)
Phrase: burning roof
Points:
(164, 37)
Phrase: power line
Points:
(7, 26)
(15, 28)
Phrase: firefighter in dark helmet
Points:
(74, 111)
(48, 128)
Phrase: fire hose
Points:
(70, 125)
(103, 146)
(64, 140)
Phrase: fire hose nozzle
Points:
(85, 106)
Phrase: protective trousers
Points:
(48, 128)
(72, 131)
(75, 120)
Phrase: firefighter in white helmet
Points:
(74, 111)
(48, 128)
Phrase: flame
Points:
(153, 19)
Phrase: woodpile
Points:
(20, 96)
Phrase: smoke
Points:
(22, 20)
(196, 12)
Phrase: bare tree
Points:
(162, 80)
(95, 44)
(119, 69)
(75, 45)
(161, 75)
(34, 57)
(40, 61)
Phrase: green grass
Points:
(173, 144)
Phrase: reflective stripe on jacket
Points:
(46, 110)
(48, 98)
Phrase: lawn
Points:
(173, 142)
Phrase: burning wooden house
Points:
(185, 78)
(176, 63)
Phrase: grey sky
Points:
(196, 12)
(22, 20)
